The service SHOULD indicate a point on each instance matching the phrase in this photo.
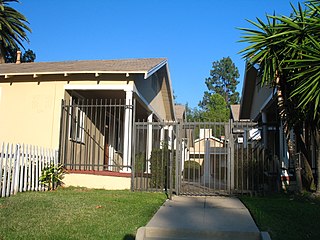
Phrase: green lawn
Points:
(76, 213)
(286, 217)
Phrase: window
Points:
(77, 116)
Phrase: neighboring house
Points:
(180, 111)
(259, 104)
(93, 125)
(235, 112)
(210, 152)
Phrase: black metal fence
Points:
(154, 156)
(190, 158)
(195, 158)
(91, 136)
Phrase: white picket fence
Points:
(21, 167)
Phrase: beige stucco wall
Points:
(30, 109)
(30, 113)
(97, 181)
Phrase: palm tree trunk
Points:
(283, 113)
(2, 54)
(316, 133)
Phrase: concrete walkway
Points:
(201, 218)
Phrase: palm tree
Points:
(13, 27)
(277, 46)
(307, 79)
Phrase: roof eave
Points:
(155, 68)
(66, 73)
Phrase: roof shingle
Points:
(130, 65)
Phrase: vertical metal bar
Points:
(95, 147)
(111, 140)
(91, 144)
(238, 163)
(121, 131)
(61, 131)
(79, 134)
(242, 167)
(178, 158)
(104, 133)
(76, 139)
(107, 138)
(65, 138)
(82, 132)
(114, 147)
(252, 165)
(149, 173)
(71, 159)
(133, 152)
(87, 136)
(100, 165)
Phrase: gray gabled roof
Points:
(145, 65)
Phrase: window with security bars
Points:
(77, 118)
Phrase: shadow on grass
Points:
(129, 237)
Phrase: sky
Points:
(191, 34)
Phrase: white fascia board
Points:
(171, 93)
(154, 69)
(66, 73)
(124, 87)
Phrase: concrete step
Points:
(155, 233)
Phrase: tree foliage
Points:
(221, 93)
(13, 28)
(27, 56)
(287, 51)
(217, 109)
(222, 81)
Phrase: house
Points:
(235, 112)
(86, 110)
(259, 104)
(211, 153)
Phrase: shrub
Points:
(140, 163)
(52, 176)
(160, 168)
(192, 170)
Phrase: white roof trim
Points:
(66, 73)
(206, 138)
(171, 92)
(124, 87)
(154, 69)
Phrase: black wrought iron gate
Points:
(195, 158)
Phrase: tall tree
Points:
(217, 110)
(27, 56)
(277, 46)
(223, 81)
(13, 28)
